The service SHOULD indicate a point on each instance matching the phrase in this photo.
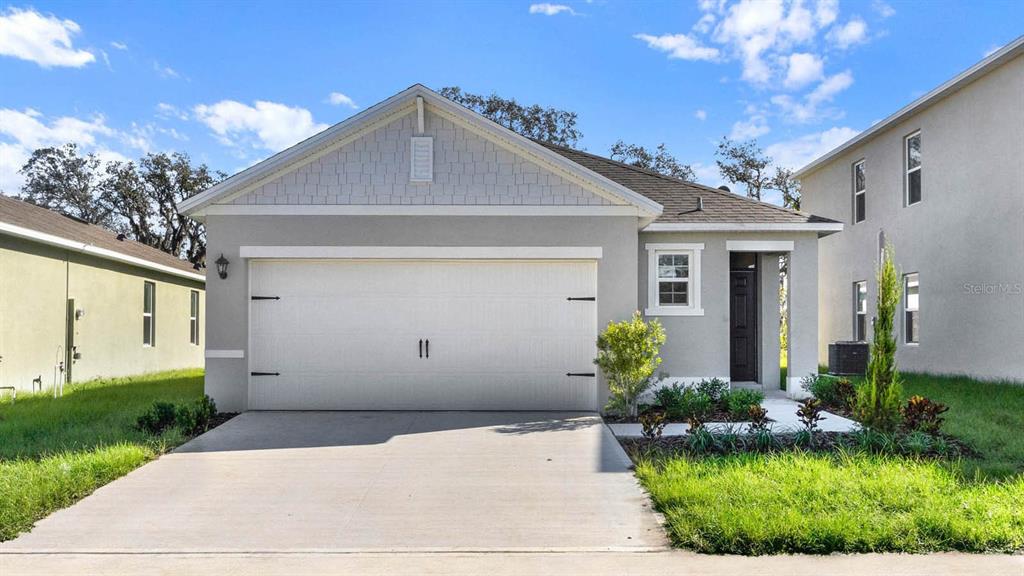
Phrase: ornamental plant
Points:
(628, 355)
(878, 399)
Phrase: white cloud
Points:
(339, 99)
(799, 152)
(701, 115)
(679, 46)
(550, 9)
(165, 71)
(275, 126)
(707, 174)
(753, 127)
(826, 12)
(119, 45)
(882, 9)
(992, 50)
(45, 40)
(853, 32)
(809, 108)
(165, 110)
(803, 68)
(705, 24)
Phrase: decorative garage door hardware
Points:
(264, 373)
(585, 374)
(266, 298)
(586, 298)
(422, 342)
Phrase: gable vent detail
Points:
(422, 159)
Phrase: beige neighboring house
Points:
(77, 302)
(943, 180)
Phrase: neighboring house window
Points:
(860, 311)
(911, 304)
(859, 192)
(913, 183)
(149, 314)
(193, 318)
(673, 278)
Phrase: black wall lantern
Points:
(222, 267)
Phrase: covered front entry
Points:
(743, 317)
(372, 334)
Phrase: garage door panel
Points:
(344, 334)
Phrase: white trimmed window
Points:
(911, 309)
(912, 184)
(860, 311)
(193, 317)
(860, 188)
(148, 314)
(673, 279)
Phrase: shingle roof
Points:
(680, 198)
(24, 215)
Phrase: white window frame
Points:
(149, 338)
(857, 313)
(193, 317)
(907, 308)
(907, 170)
(856, 193)
(693, 251)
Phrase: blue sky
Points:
(231, 83)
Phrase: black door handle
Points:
(421, 347)
(428, 347)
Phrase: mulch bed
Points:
(716, 415)
(220, 418)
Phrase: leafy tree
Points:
(627, 353)
(878, 399)
(60, 180)
(660, 160)
(745, 163)
(546, 124)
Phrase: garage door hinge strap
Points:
(587, 374)
(586, 298)
(266, 298)
(264, 373)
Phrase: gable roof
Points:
(31, 222)
(1008, 52)
(402, 103)
(721, 209)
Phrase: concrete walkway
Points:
(358, 482)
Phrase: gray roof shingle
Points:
(680, 198)
(24, 215)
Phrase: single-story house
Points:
(78, 302)
(421, 256)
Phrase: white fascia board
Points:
(425, 252)
(405, 101)
(995, 59)
(744, 227)
(415, 210)
(60, 242)
(759, 245)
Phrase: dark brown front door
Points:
(743, 325)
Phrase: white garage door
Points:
(422, 335)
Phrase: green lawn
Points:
(797, 502)
(55, 452)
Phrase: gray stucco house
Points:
(943, 180)
(420, 256)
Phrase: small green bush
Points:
(627, 354)
(922, 414)
(681, 403)
(194, 419)
(738, 402)
(159, 417)
(714, 388)
(878, 399)
(670, 398)
(833, 391)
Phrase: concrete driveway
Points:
(269, 482)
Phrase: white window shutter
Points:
(422, 159)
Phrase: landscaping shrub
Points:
(713, 388)
(878, 400)
(922, 414)
(834, 392)
(670, 398)
(696, 405)
(653, 423)
(738, 402)
(809, 413)
(628, 356)
(758, 418)
(159, 417)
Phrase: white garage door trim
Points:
(425, 252)
(413, 254)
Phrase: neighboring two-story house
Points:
(942, 180)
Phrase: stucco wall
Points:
(226, 378)
(965, 238)
(37, 280)
(468, 169)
